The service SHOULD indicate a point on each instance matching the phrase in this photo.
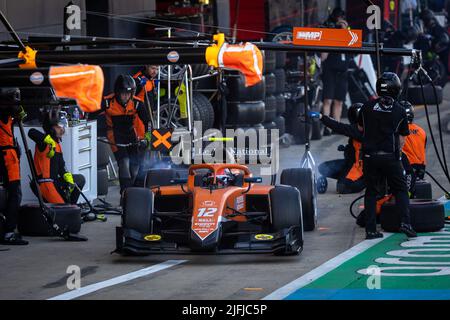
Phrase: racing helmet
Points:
(9, 100)
(409, 110)
(124, 84)
(353, 112)
(389, 85)
(55, 117)
(9, 96)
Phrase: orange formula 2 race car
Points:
(219, 208)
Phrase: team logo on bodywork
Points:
(152, 237)
(209, 203)
(263, 237)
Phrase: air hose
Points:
(353, 204)
(120, 145)
(447, 194)
(443, 160)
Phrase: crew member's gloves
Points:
(341, 148)
(148, 136)
(52, 143)
(21, 114)
(143, 81)
(68, 178)
(420, 173)
(143, 144)
(314, 115)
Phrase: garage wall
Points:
(41, 17)
(37, 17)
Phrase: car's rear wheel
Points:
(286, 208)
(303, 180)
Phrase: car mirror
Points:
(253, 180)
(179, 181)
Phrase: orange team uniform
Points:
(415, 145)
(124, 124)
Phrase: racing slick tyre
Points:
(102, 182)
(269, 126)
(316, 130)
(286, 209)
(199, 70)
(322, 184)
(160, 177)
(270, 61)
(203, 110)
(300, 129)
(423, 190)
(426, 216)
(31, 221)
(281, 104)
(280, 80)
(295, 123)
(246, 113)
(280, 125)
(303, 180)
(270, 108)
(271, 83)
(238, 92)
(138, 209)
(416, 98)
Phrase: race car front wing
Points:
(131, 242)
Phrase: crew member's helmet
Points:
(9, 96)
(124, 84)
(54, 117)
(336, 14)
(353, 112)
(389, 85)
(409, 110)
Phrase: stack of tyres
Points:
(246, 109)
(296, 124)
(32, 222)
(245, 104)
(275, 77)
(294, 113)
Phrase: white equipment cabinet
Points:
(79, 145)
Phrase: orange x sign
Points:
(160, 138)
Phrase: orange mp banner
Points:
(325, 37)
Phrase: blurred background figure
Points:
(334, 72)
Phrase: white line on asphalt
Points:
(117, 280)
(328, 266)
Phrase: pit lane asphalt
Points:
(38, 271)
